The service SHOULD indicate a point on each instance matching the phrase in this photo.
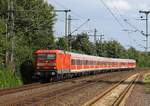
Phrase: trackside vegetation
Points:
(147, 83)
(8, 79)
(30, 28)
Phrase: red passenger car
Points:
(58, 63)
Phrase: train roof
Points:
(48, 51)
(89, 57)
(84, 56)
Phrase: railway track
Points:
(6, 91)
(115, 95)
(25, 91)
(42, 97)
(17, 89)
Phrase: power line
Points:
(147, 34)
(71, 32)
(66, 18)
(80, 26)
(131, 38)
(64, 7)
(121, 16)
(125, 20)
(72, 12)
(59, 4)
(133, 26)
(116, 19)
(137, 30)
(117, 10)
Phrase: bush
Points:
(147, 83)
(8, 79)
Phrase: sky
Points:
(108, 17)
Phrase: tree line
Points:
(28, 26)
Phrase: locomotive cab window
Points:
(51, 56)
(41, 56)
(46, 56)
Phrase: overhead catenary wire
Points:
(62, 21)
(131, 37)
(121, 16)
(117, 10)
(115, 7)
(109, 10)
(64, 7)
(135, 30)
(59, 4)
(72, 12)
(131, 25)
(126, 21)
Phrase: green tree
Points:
(2, 41)
(132, 53)
(111, 49)
(33, 27)
(62, 44)
(82, 44)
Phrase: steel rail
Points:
(119, 99)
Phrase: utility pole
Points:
(69, 24)
(69, 38)
(95, 36)
(66, 18)
(146, 35)
(95, 32)
(69, 33)
(95, 39)
(101, 38)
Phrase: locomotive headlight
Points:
(40, 64)
(52, 64)
(53, 73)
(38, 73)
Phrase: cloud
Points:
(119, 4)
(143, 6)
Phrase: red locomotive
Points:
(58, 63)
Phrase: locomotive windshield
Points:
(46, 56)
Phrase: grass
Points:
(147, 83)
(8, 79)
